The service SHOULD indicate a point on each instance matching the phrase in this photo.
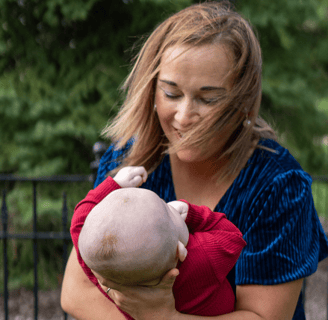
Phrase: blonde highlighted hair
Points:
(209, 23)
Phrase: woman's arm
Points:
(258, 302)
(254, 302)
(81, 298)
(270, 302)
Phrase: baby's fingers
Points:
(144, 175)
(136, 181)
(141, 171)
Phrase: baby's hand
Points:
(130, 177)
(181, 207)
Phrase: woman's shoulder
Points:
(277, 214)
(271, 175)
(272, 164)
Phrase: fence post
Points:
(4, 218)
(99, 148)
(64, 223)
(35, 253)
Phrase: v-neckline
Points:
(172, 191)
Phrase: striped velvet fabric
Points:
(271, 203)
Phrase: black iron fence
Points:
(35, 235)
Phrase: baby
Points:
(133, 237)
(130, 236)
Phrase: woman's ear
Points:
(181, 251)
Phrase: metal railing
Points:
(98, 150)
(35, 235)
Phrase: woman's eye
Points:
(171, 95)
(210, 101)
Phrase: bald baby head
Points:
(131, 237)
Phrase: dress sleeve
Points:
(82, 209)
(220, 239)
(282, 232)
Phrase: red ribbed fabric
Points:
(213, 248)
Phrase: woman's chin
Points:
(190, 155)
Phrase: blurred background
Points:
(62, 63)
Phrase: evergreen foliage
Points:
(294, 40)
(61, 65)
(62, 62)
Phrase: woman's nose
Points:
(186, 114)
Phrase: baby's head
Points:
(132, 237)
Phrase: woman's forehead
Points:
(193, 52)
(201, 66)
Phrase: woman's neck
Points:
(196, 182)
(207, 169)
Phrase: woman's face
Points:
(188, 85)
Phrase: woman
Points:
(191, 119)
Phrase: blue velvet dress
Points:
(271, 203)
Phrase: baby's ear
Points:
(181, 251)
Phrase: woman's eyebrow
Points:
(206, 88)
(213, 89)
(171, 83)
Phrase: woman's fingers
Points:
(112, 295)
(166, 282)
(146, 302)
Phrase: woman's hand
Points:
(81, 298)
(145, 302)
